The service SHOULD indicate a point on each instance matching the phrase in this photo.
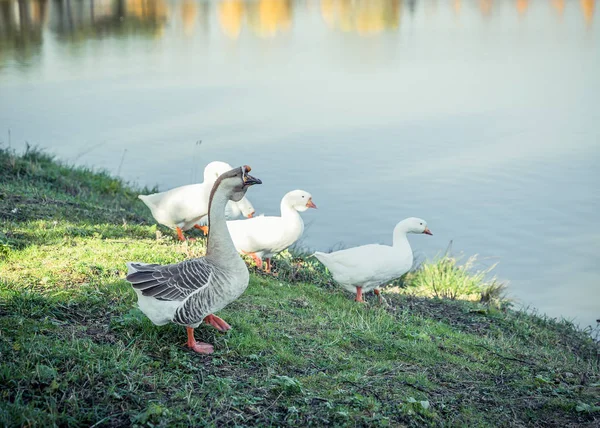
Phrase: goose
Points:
(265, 236)
(182, 207)
(243, 208)
(190, 292)
(365, 268)
(233, 211)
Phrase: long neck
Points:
(289, 214)
(293, 224)
(219, 239)
(400, 241)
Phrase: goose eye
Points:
(421, 224)
(302, 196)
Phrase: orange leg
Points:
(217, 322)
(268, 269)
(199, 347)
(378, 294)
(180, 234)
(359, 294)
(204, 229)
(257, 260)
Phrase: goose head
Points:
(416, 225)
(299, 200)
(246, 207)
(213, 170)
(235, 183)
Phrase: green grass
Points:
(445, 278)
(76, 351)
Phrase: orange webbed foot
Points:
(217, 323)
(202, 348)
(204, 229)
(199, 347)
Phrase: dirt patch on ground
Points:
(451, 313)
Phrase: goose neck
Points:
(293, 224)
(220, 246)
(288, 212)
(400, 239)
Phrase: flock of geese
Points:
(191, 292)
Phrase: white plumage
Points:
(264, 236)
(367, 267)
(183, 207)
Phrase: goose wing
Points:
(171, 282)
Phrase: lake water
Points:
(481, 117)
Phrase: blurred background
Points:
(480, 116)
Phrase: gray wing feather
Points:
(171, 282)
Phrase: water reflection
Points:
(80, 20)
(522, 6)
(22, 23)
(559, 5)
(363, 16)
(485, 6)
(231, 15)
(25, 24)
(266, 18)
(587, 6)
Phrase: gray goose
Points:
(190, 292)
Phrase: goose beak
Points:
(251, 214)
(311, 204)
(250, 181)
(427, 231)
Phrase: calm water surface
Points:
(480, 116)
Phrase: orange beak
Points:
(251, 214)
(427, 231)
(310, 204)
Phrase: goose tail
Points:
(133, 267)
(322, 257)
(144, 199)
(150, 200)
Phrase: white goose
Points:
(266, 236)
(182, 208)
(367, 267)
(190, 292)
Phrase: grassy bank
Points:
(75, 351)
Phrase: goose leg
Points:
(217, 322)
(180, 234)
(257, 260)
(378, 294)
(199, 347)
(268, 269)
(359, 295)
(204, 229)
